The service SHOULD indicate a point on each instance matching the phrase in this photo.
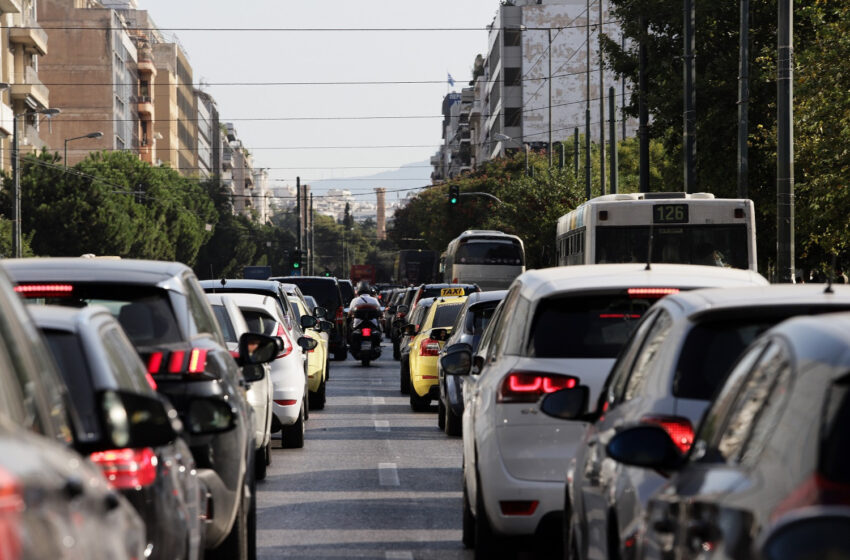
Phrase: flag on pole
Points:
(450, 79)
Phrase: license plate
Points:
(365, 346)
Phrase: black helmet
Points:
(363, 288)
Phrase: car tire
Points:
(340, 354)
(405, 377)
(317, 399)
(396, 350)
(441, 415)
(365, 362)
(419, 404)
(292, 437)
(262, 459)
(468, 520)
(327, 369)
(235, 545)
(454, 423)
(487, 544)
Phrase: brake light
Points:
(175, 361)
(285, 402)
(45, 290)
(366, 332)
(340, 315)
(178, 361)
(197, 360)
(528, 386)
(11, 505)
(287, 344)
(519, 507)
(679, 429)
(651, 292)
(429, 347)
(127, 468)
(155, 362)
(814, 491)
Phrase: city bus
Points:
(414, 267)
(685, 229)
(489, 258)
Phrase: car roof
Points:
(481, 297)
(77, 269)
(236, 283)
(541, 283)
(294, 279)
(64, 318)
(709, 300)
(822, 338)
(257, 301)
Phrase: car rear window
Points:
(347, 292)
(445, 315)
(260, 322)
(709, 352)
(224, 322)
(74, 367)
(479, 317)
(325, 292)
(585, 326)
(834, 461)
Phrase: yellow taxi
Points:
(317, 359)
(425, 348)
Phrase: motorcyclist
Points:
(364, 307)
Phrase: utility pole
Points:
(743, 101)
(612, 113)
(549, 34)
(785, 144)
(623, 84)
(643, 113)
(576, 148)
(601, 109)
(312, 238)
(298, 213)
(587, 171)
(689, 135)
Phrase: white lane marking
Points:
(388, 474)
(379, 400)
(382, 425)
(376, 381)
(399, 555)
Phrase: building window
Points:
(513, 38)
(513, 76)
(513, 116)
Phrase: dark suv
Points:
(169, 321)
(327, 292)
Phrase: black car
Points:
(468, 328)
(774, 442)
(164, 312)
(400, 319)
(346, 289)
(94, 356)
(327, 292)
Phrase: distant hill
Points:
(408, 176)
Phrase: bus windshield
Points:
(713, 245)
(489, 252)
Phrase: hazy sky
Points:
(242, 57)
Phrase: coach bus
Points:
(684, 228)
(414, 267)
(489, 258)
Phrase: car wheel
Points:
(327, 369)
(441, 415)
(292, 437)
(365, 362)
(405, 377)
(487, 544)
(317, 399)
(419, 404)
(235, 546)
(396, 351)
(261, 462)
(454, 423)
(340, 354)
(468, 520)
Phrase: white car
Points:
(288, 370)
(556, 328)
(259, 393)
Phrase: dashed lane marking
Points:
(379, 400)
(399, 555)
(382, 425)
(388, 474)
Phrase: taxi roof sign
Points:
(448, 292)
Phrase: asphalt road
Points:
(374, 480)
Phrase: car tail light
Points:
(287, 344)
(127, 468)
(519, 507)
(155, 362)
(45, 290)
(651, 292)
(149, 378)
(197, 360)
(177, 362)
(340, 315)
(429, 347)
(365, 332)
(619, 316)
(816, 490)
(680, 430)
(11, 506)
(285, 402)
(235, 354)
(528, 386)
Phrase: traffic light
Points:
(327, 273)
(454, 194)
(296, 260)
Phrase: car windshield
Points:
(324, 290)
(445, 315)
(347, 292)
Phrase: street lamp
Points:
(89, 135)
(16, 185)
(505, 138)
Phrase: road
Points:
(374, 480)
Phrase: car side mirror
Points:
(811, 532)
(134, 420)
(320, 312)
(308, 322)
(306, 343)
(255, 348)
(253, 372)
(566, 404)
(403, 309)
(646, 446)
(408, 330)
(210, 416)
(440, 335)
(457, 360)
(325, 326)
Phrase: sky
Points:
(333, 147)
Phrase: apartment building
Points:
(174, 102)
(237, 172)
(208, 140)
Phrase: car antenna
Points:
(649, 251)
(223, 282)
(829, 289)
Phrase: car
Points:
(270, 288)
(391, 302)
(444, 290)
(667, 373)
(318, 359)
(468, 328)
(425, 346)
(773, 443)
(288, 370)
(312, 304)
(402, 307)
(94, 355)
(556, 328)
(327, 292)
(346, 288)
(55, 503)
(417, 316)
(233, 326)
(161, 307)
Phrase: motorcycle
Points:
(365, 338)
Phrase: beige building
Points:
(176, 115)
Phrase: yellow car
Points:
(425, 348)
(317, 359)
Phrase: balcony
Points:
(10, 6)
(30, 87)
(145, 106)
(32, 36)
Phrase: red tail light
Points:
(340, 315)
(366, 332)
(528, 386)
(11, 506)
(522, 507)
(175, 361)
(287, 344)
(429, 347)
(197, 360)
(652, 292)
(816, 490)
(127, 468)
(192, 361)
(679, 429)
(155, 362)
(45, 290)
(285, 402)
